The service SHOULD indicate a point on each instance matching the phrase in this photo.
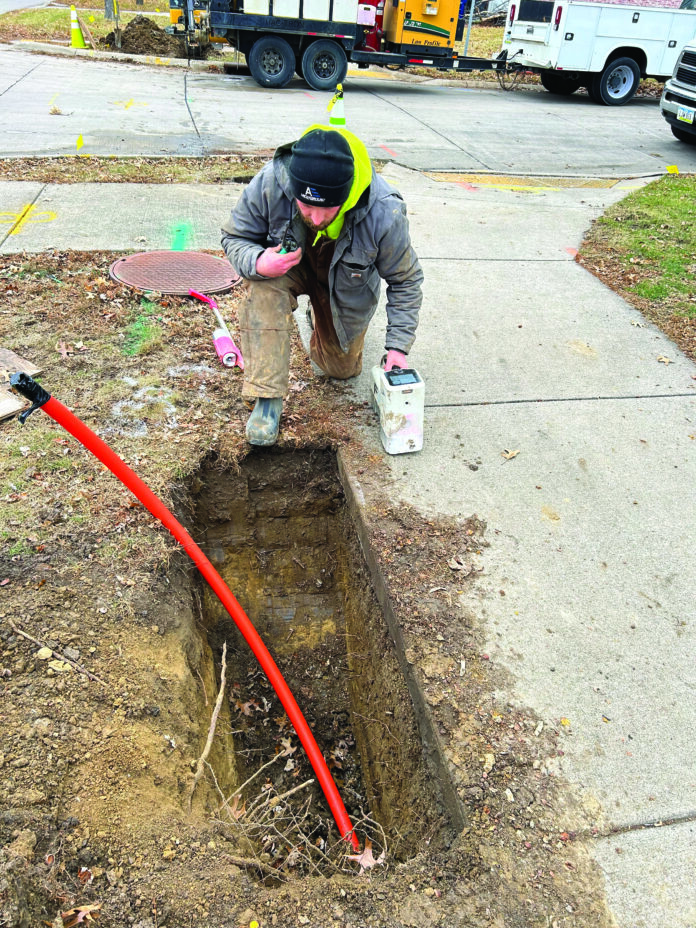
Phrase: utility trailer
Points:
(604, 47)
(317, 38)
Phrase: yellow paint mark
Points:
(549, 513)
(126, 104)
(515, 182)
(580, 347)
(80, 142)
(29, 213)
(672, 169)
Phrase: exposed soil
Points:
(97, 762)
(142, 36)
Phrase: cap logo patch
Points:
(313, 195)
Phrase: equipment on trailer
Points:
(317, 38)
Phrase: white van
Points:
(604, 47)
(678, 103)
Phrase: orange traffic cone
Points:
(76, 38)
(337, 115)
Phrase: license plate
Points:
(685, 114)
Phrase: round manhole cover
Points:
(175, 272)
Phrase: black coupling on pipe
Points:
(31, 390)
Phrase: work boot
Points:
(264, 422)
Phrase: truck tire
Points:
(683, 136)
(271, 61)
(324, 64)
(617, 83)
(558, 83)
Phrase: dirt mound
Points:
(142, 36)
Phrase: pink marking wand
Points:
(225, 348)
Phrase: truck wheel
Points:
(683, 136)
(271, 61)
(324, 64)
(617, 83)
(559, 83)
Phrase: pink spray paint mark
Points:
(389, 151)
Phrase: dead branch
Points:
(211, 732)
(57, 654)
(247, 782)
(252, 865)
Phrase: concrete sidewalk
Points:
(591, 526)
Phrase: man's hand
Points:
(395, 359)
(271, 263)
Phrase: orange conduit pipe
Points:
(41, 399)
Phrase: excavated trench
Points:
(280, 533)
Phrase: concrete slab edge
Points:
(433, 748)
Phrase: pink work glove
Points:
(395, 359)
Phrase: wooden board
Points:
(10, 363)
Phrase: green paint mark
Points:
(143, 335)
(182, 236)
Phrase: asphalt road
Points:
(47, 103)
(6, 6)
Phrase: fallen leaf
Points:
(234, 809)
(63, 349)
(509, 455)
(456, 563)
(288, 749)
(663, 360)
(80, 915)
(366, 858)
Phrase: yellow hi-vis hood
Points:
(362, 176)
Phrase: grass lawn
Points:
(52, 24)
(644, 248)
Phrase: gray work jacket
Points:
(374, 243)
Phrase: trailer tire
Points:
(324, 64)
(558, 83)
(617, 83)
(271, 61)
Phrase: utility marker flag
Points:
(335, 108)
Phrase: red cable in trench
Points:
(33, 391)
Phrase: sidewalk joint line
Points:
(559, 260)
(27, 209)
(563, 399)
(426, 126)
(21, 78)
(186, 101)
(644, 826)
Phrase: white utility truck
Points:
(604, 47)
